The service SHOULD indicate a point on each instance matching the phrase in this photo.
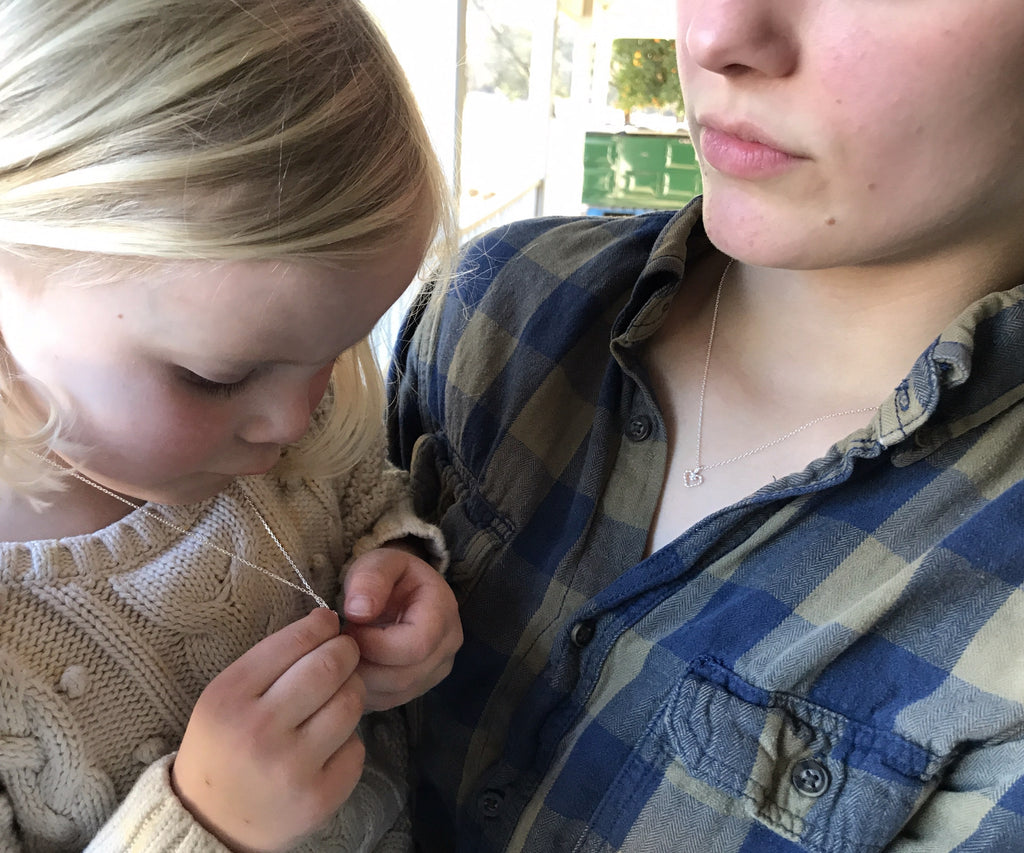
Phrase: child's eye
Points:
(209, 386)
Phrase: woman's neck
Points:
(794, 360)
(797, 331)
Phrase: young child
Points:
(734, 494)
(205, 205)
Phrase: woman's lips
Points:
(744, 153)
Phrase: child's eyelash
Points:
(208, 386)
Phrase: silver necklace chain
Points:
(199, 537)
(693, 477)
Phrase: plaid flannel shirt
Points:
(835, 663)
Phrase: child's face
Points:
(126, 359)
(838, 132)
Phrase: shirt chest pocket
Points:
(808, 774)
(446, 494)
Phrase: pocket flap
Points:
(807, 773)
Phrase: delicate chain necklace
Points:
(199, 537)
(694, 476)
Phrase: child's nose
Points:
(281, 414)
(278, 421)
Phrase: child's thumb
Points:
(369, 582)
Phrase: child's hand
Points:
(270, 751)
(404, 617)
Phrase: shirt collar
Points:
(972, 372)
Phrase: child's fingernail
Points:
(359, 605)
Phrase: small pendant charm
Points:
(693, 478)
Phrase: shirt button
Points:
(581, 634)
(811, 778)
(902, 398)
(639, 428)
(490, 803)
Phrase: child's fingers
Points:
(369, 581)
(427, 626)
(412, 640)
(262, 665)
(399, 662)
(307, 685)
(333, 724)
(343, 769)
(388, 686)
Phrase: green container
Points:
(627, 172)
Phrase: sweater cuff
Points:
(153, 820)
(401, 522)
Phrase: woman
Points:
(733, 495)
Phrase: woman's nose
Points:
(735, 37)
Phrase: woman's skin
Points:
(861, 162)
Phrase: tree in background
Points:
(498, 51)
(644, 75)
(499, 54)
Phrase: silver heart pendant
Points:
(693, 478)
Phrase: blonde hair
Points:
(141, 131)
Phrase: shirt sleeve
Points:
(407, 389)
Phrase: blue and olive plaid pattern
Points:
(834, 664)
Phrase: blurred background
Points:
(546, 107)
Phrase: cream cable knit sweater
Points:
(107, 640)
